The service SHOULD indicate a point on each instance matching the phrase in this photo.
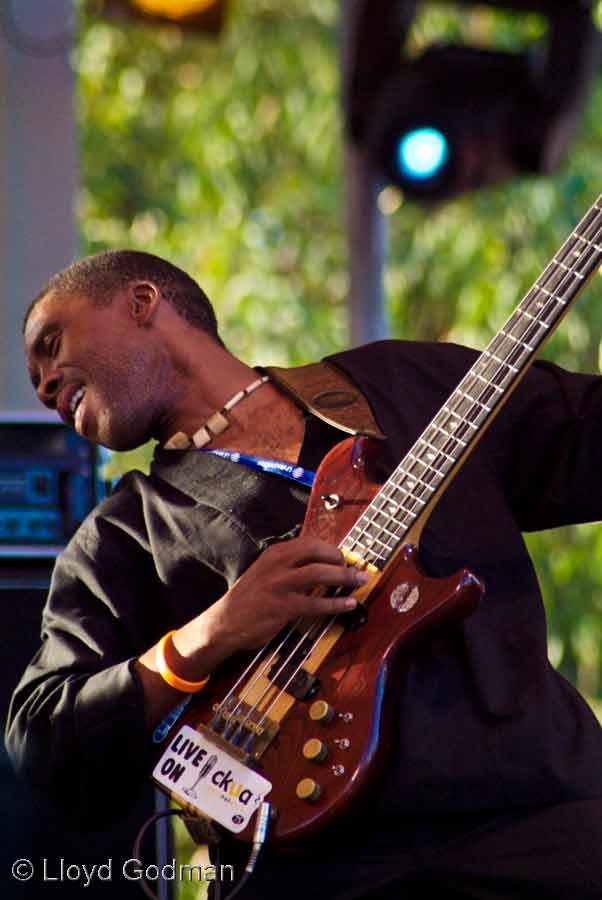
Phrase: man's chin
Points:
(122, 443)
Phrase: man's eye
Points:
(53, 344)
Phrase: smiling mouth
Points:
(76, 400)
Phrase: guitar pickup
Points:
(301, 685)
(287, 671)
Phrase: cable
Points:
(259, 836)
(138, 842)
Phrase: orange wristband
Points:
(180, 684)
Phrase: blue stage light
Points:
(422, 153)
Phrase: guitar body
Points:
(357, 678)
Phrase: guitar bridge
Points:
(243, 726)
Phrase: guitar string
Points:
(533, 296)
(263, 668)
(327, 626)
(271, 683)
(554, 297)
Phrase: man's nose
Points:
(48, 389)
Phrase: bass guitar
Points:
(303, 722)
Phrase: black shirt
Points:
(484, 722)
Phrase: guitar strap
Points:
(329, 394)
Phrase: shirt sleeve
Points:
(547, 445)
(76, 728)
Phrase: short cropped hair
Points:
(99, 276)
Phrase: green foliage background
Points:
(225, 157)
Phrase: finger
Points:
(305, 550)
(321, 575)
(316, 604)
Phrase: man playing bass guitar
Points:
(489, 781)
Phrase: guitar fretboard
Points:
(447, 441)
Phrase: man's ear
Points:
(143, 299)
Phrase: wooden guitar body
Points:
(343, 725)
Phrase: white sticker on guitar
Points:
(208, 778)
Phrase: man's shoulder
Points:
(397, 359)
(121, 508)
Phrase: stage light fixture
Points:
(460, 117)
(199, 15)
(421, 153)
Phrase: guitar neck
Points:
(399, 510)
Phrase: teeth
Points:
(75, 399)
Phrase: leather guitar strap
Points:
(329, 394)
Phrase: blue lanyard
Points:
(273, 466)
(162, 729)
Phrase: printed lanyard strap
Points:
(273, 466)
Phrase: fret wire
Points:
(565, 251)
(463, 421)
(535, 321)
(476, 414)
(488, 353)
(415, 479)
(542, 306)
(364, 546)
(418, 479)
(486, 395)
(550, 294)
(527, 315)
(452, 436)
(476, 392)
(507, 331)
(517, 353)
(374, 540)
(580, 237)
(552, 278)
(462, 397)
(473, 400)
(436, 451)
(499, 341)
(425, 464)
(362, 525)
(516, 340)
(596, 222)
(413, 498)
(532, 325)
(525, 335)
(489, 383)
(449, 435)
(582, 255)
(497, 379)
(398, 487)
(568, 268)
(393, 534)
